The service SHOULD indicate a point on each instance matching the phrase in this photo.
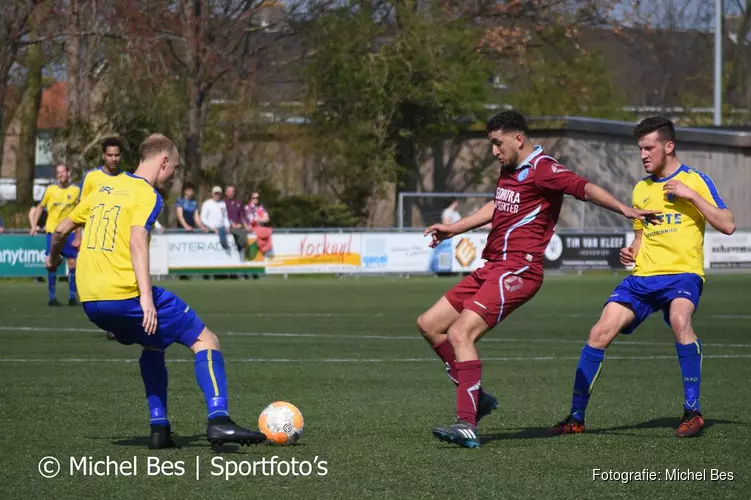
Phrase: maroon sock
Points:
(469, 374)
(445, 351)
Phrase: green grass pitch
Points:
(347, 353)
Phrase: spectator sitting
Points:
(214, 216)
(2, 225)
(238, 222)
(187, 206)
(259, 219)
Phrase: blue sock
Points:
(213, 382)
(689, 357)
(154, 374)
(51, 283)
(590, 365)
(72, 283)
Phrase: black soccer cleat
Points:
(111, 336)
(460, 433)
(72, 302)
(53, 303)
(223, 430)
(487, 405)
(161, 437)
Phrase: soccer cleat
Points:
(569, 425)
(161, 437)
(487, 404)
(72, 301)
(110, 336)
(692, 422)
(460, 433)
(222, 430)
(53, 303)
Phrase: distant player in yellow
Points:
(117, 295)
(668, 270)
(111, 151)
(59, 200)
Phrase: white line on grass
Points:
(359, 360)
(364, 337)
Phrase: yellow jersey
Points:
(93, 179)
(105, 270)
(59, 202)
(677, 244)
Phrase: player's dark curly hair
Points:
(508, 121)
(110, 142)
(664, 127)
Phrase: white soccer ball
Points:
(282, 423)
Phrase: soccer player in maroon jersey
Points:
(527, 203)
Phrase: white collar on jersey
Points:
(528, 160)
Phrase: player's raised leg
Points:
(615, 317)
(155, 380)
(434, 325)
(212, 379)
(462, 335)
(690, 352)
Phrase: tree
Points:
(205, 41)
(13, 29)
(386, 79)
(28, 114)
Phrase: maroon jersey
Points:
(527, 205)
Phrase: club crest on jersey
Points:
(671, 198)
(522, 175)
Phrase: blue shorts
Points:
(648, 294)
(68, 251)
(176, 321)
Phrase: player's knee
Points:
(681, 325)
(206, 340)
(601, 335)
(426, 327)
(459, 336)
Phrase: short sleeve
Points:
(82, 187)
(46, 197)
(146, 210)
(707, 189)
(553, 176)
(80, 214)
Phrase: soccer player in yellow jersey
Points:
(668, 270)
(111, 154)
(117, 295)
(59, 200)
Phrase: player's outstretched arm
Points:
(720, 218)
(63, 229)
(440, 232)
(599, 196)
(139, 256)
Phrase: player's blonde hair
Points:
(155, 144)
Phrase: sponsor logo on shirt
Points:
(507, 200)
